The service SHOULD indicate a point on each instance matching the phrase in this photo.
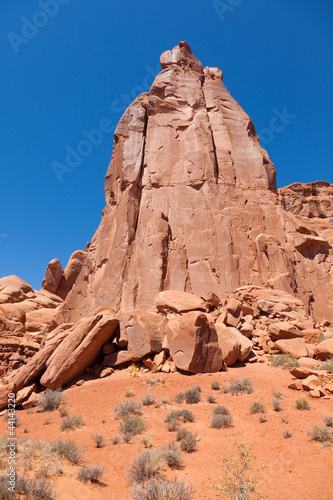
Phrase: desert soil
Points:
(295, 468)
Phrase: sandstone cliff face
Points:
(191, 205)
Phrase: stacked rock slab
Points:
(192, 205)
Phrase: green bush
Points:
(257, 407)
(302, 404)
(284, 361)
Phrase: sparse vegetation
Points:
(63, 411)
(126, 408)
(277, 404)
(98, 439)
(322, 434)
(91, 473)
(220, 410)
(215, 385)
(148, 399)
(68, 450)
(50, 400)
(257, 407)
(211, 399)
(238, 479)
(131, 426)
(193, 395)
(180, 416)
(287, 434)
(165, 400)
(147, 441)
(72, 422)
(219, 421)
(239, 386)
(262, 419)
(146, 465)
(328, 420)
(129, 392)
(172, 455)
(284, 361)
(188, 440)
(328, 365)
(302, 404)
(160, 489)
(133, 370)
(180, 398)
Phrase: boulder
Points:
(284, 330)
(310, 383)
(53, 275)
(145, 332)
(179, 302)
(245, 345)
(117, 358)
(229, 344)
(294, 347)
(324, 350)
(193, 343)
(81, 347)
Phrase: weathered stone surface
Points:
(310, 383)
(312, 200)
(229, 344)
(245, 343)
(324, 349)
(179, 302)
(53, 275)
(300, 372)
(308, 362)
(25, 393)
(187, 160)
(284, 330)
(294, 347)
(117, 358)
(79, 350)
(193, 343)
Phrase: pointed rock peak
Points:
(213, 74)
(180, 55)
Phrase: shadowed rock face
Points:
(192, 205)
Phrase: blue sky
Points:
(86, 60)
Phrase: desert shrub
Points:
(328, 420)
(68, 450)
(129, 392)
(287, 434)
(98, 439)
(35, 489)
(220, 410)
(180, 415)
(148, 399)
(193, 395)
(239, 386)
(302, 404)
(284, 361)
(277, 404)
(165, 400)
(321, 433)
(173, 424)
(325, 337)
(180, 397)
(172, 455)
(5, 494)
(284, 419)
(238, 480)
(116, 439)
(48, 421)
(146, 465)
(215, 385)
(63, 411)
(262, 419)
(328, 365)
(257, 407)
(160, 489)
(131, 426)
(188, 440)
(133, 370)
(147, 441)
(186, 416)
(220, 421)
(50, 400)
(71, 423)
(211, 398)
(127, 408)
(92, 473)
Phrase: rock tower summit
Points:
(192, 205)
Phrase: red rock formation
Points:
(192, 205)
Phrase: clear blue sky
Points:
(84, 63)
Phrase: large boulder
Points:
(284, 330)
(193, 343)
(324, 350)
(245, 345)
(294, 347)
(179, 302)
(79, 349)
(229, 344)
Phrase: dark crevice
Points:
(216, 164)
